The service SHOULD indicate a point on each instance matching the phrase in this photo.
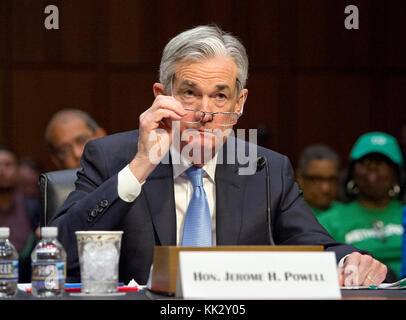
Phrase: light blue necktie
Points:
(197, 227)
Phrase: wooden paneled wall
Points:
(310, 81)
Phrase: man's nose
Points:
(205, 103)
(325, 186)
(206, 108)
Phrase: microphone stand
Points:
(261, 163)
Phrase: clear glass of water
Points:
(99, 253)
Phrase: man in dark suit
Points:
(139, 181)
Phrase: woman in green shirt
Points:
(372, 221)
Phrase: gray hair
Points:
(317, 152)
(203, 42)
(90, 122)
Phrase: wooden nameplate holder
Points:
(166, 261)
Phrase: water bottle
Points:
(8, 265)
(48, 264)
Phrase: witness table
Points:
(145, 294)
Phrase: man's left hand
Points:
(361, 270)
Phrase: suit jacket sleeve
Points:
(94, 205)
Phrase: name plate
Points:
(257, 275)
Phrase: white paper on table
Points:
(398, 285)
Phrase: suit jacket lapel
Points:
(161, 202)
(229, 200)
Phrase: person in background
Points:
(317, 176)
(29, 172)
(372, 221)
(66, 135)
(18, 212)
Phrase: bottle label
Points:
(9, 270)
(48, 275)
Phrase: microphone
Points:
(261, 163)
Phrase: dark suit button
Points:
(89, 219)
(94, 213)
(104, 203)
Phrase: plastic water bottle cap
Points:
(4, 232)
(49, 232)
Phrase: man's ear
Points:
(99, 133)
(158, 89)
(242, 99)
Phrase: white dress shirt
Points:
(129, 188)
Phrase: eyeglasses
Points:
(319, 179)
(66, 150)
(195, 117)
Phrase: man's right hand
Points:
(155, 126)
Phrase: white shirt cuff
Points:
(341, 262)
(128, 185)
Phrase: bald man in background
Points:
(66, 135)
